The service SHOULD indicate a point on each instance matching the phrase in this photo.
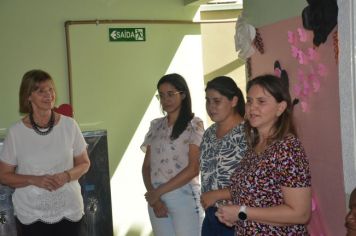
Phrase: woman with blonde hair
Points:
(43, 156)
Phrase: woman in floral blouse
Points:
(271, 187)
(171, 166)
(223, 146)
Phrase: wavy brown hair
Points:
(285, 124)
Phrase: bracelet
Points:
(69, 176)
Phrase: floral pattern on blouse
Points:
(169, 157)
(258, 179)
(219, 157)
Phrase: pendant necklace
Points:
(38, 129)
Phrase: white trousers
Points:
(185, 214)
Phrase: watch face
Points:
(242, 216)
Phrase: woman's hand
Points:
(160, 209)
(152, 196)
(182, 178)
(61, 178)
(47, 182)
(208, 199)
(227, 214)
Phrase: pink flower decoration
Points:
(292, 39)
(295, 51)
(302, 35)
(315, 82)
(309, 72)
(306, 87)
(302, 58)
(312, 54)
(297, 90)
(322, 70)
(305, 106)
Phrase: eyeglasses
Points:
(170, 94)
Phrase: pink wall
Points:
(319, 124)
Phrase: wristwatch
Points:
(242, 213)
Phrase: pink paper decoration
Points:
(291, 37)
(310, 70)
(322, 70)
(312, 54)
(295, 51)
(302, 58)
(302, 35)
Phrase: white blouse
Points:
(169, 157)
(34, 154)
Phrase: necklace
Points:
(38, 128)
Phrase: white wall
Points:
(347, 30)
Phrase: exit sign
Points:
(127, 34)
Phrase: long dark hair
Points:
(285, 123)
(185, 113)
(227, 87)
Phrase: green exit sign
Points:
(127, 34)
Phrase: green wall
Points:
(114, 82)
(33, 36)
(265, 12)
